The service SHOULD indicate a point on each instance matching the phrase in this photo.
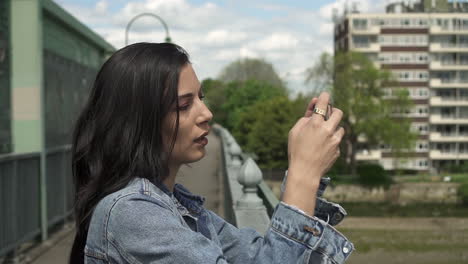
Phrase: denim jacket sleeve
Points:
(142, 229)
(292, 237)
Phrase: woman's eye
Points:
(185, 107)
(202, 96)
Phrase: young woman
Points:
(144, 119)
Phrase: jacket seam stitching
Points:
(146, 187)
(290, 237)
(146, 191)
(124, 254)
(314, 247)
(91, 253)
(109, 215)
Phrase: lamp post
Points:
(168, 38)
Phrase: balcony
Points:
(450, 119)
(369, 155)
(447, 155)
(367, 47)
(448, 47)
(438, 30)
(448, 83)
(452, 65)
(448, 101)
(369, 30)
(447, 137)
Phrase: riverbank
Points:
(431, 240)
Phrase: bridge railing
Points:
(249, 202)
(20, 195)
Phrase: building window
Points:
(403, 57)
(360, 23)
(422, 146)
(422, 128)
(418, 76)
(423, 92)
(423, 163)
(404, 40)
(361, 41)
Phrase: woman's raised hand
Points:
(313, 147)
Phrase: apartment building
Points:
(425, 45)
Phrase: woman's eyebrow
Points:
(189, 95)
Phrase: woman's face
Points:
(193, 120)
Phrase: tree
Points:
(263, 129)
(321, 73)
(251, 69)
(241, 95)
(357, 89)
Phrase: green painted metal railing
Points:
(269, 198)
(20, 193)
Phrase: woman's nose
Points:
(206, 115)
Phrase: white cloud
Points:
(222, 37)
(216, 35)
(277, 41)
(248, 53)
(101, 7)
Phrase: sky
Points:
(290, 34)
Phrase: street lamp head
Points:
(167, 39)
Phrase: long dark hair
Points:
(118, 137)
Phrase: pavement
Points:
(203, 178)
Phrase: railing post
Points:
(245, 208)
(250, 176)
(235, 152)
(249, 208)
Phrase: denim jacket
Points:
(146, 223)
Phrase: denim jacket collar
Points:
(191, 201)
(194, 203)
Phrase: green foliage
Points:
(321, 74)
(339, 168)
(228, 100)
(460, 168)
(463, 193)
(373, 175)
(242, 95)
(263, 129)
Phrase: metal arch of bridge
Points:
(168, 38)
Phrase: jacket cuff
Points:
(311, 231)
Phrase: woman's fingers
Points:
(310, 107)
(322, 104)
(339, 133)
(334, 119)
(313, 132)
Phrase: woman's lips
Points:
(202, 141)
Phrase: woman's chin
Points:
(198, 156)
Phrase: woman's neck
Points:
(169, 182)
